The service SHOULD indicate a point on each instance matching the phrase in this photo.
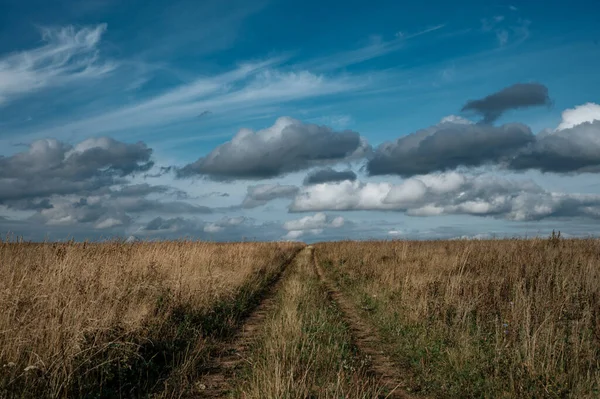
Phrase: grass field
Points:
(116, 319)
(468, 319)
(499, 318)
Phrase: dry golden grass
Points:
(80, 318)
(304, 350)
(498, 318)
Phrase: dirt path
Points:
(365, 338)
(230, 359)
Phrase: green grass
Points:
(305, 349)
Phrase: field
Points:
(396, 319)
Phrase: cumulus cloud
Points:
(68, 54)
(259, 195)
(224, 223)
(86, 185)
(50, 167)
(520, 95)
(326, 175)
(160, 224)
(572, 117)
(449, 193)
(287, 146)
(575, 149)
(310, 225)
(448, 145)
(91, 211)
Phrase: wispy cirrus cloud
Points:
(376, 48)
(249, 86)
(68, 55)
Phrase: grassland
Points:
(304, 349)
(498, 318)
(455, 319)
(122, 320)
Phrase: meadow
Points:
(498, 318)
(510, 318)
(122, 320)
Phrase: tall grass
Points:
(497, 318)
(304, 350)
(114, 319)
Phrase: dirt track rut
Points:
(230, 359)
(365, 338)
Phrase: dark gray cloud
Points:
(105, 211)
(174, 224)
(449, 145)
(513, 146)
(326, 175)
(576, 149)
(50, 167)
(261, 194)
(287, 146)
(520, 95)
(226, 229)
(140, 190)
(85, 185)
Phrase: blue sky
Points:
(204, 118)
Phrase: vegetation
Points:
(305, 349)
(496, 318)
(464, 318)
(122, 320)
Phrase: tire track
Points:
(228, 361)
(365, 338)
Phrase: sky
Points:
(233, 120)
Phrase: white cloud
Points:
(108, 223)
(445, 194)
(68, 54)
(250, 86)
(308, 222)
(293, 235)
(376, 48)
(314, 224)
(213, 228)
(456, 119)
(223, 224)
(571, 117)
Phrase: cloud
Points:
(287, 146)
(374, 49)
(51, 167)
(68, 55)
(86, 185)
(224, 223)
(310, 225)
(91, 211)
(569, 150)
(520, 95)
(448, 145)
(574, 147)
(261, 194)
(140, 190)
(160, 224)
(572, 117)
(328, 175)
(95, 210)
(449, 193)
(250, 87)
